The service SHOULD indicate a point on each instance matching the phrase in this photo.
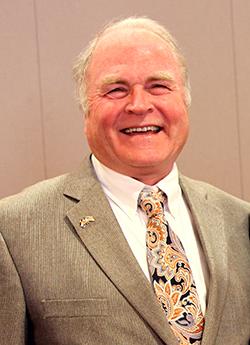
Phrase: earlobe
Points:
(85, 126)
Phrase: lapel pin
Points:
(85, 221)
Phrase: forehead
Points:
(132, 51)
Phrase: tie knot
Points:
(152, 202)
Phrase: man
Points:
(85, 260)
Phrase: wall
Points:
(41, 132)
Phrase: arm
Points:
(12, 304)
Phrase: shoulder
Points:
(51, 191)
(40, 190)
(32, 201)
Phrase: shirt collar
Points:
(124, 190)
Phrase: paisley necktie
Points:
(171, 274)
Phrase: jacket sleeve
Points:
(12, 303)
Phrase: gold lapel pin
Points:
(85, 221)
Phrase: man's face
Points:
(137, 122)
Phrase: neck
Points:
(148, 175)
(152, 179)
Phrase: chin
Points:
(148, 158)
(146, 163)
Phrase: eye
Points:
(159, 88)
(117, 92)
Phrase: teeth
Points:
(141, 129)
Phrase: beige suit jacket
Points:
(61, 284)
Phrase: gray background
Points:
(41, 132)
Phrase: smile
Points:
(142, 130)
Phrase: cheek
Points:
(99, 123)
(109, 114)
(174, 111)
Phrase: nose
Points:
(139, 101)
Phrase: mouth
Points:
(141, 130)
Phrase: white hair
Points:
(83, 60)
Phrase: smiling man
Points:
(137, 121)
(126, 250)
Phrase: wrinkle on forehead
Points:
(138, 48)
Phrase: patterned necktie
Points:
(170, 272)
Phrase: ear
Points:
(85, 128)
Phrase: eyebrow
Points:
(162, 75)
(113, 79)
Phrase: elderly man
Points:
(126, 250)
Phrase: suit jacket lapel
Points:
(209, 223)
(106, 243)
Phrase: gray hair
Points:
(83, 60)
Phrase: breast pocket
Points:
(75, 308)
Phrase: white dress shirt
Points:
(122, 193)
